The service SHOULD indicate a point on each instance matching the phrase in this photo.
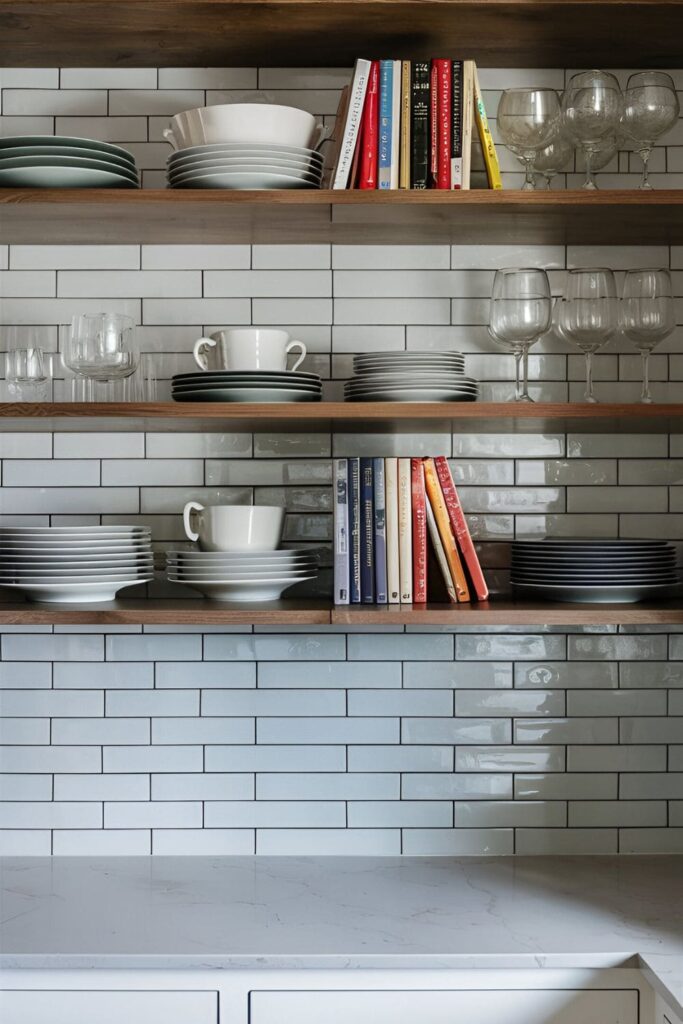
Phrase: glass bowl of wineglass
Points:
(646, 315)
(586, 315)
(528, 120)
(592, 105)
(521, 310)
(651, 108)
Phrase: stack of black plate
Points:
(247, 386)
(595, 570)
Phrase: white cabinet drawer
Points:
(90, 1007)
(664, 1014)
(539, 1006)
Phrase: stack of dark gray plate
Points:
(604, 571)
(410, 377)
(247, 386)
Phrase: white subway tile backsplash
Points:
(109, 842)
(214, 842)
(367, 842)
(125, 759)
(143, 283)
(64, 102)
(457, 842)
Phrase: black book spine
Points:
(419, 124)
(456, 120)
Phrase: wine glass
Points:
(651, 108)
(550, 161)
(591, 107)
(521, 308)
(102, 348)
(528, 120)
(646, 314)
(601, 155)
(586, 315)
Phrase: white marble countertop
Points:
(350, 912)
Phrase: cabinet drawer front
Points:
(70, 1007)
(474, 1007)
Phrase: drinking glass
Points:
(28, 378)
(521, 308)
(550, 161)
(601, 155)
(102, 349)
(528, 120)
(646, 314)
(651, 107)
(586, 315)
(591, 107)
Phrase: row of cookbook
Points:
(410, 124)
(400, 534)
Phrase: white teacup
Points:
(234, 527)
(247, 348)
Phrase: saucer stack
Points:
(79, 563)
(58, 161)
(247, 386)
(410, 377)
(241, 165)
(241, 576)
(620, 571)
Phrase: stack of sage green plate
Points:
(58, 161)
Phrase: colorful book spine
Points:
(419, 125)
(352, 127)
(341, 531)
(460, 527)
(381, 595)
(467, 120)
(354, 529)
(405, 531)
(443, 123)
(395, 124)
(487, 144)
(433, 125)
(419, 531)
(367, 533)
(369, 131)
(440, 553)
(386, 103)
(456, 124)
(391, 512)
(436, 500)
(404, 169)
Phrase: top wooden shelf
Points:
(216, 33)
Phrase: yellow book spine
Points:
(436, 500)
(485, 137)
(404, 178)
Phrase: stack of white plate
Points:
(58, 161)
(245, 165)
(410, 377)
(243, 575)
(617, 571)
(247, 386)
(74, 563)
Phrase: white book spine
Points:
(354, 116)
(391, 501)
(341, 531)
(396, 124)
(405, 530)
(467, 120)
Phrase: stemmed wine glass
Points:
(550, 161)
(646, 314)
(587, 314)
(651, 108)
(528, 120)
(521, 309)
(591, 107)
(101, 348)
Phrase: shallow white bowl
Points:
(265, 123)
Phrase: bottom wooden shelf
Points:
(323, 613)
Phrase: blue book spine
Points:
(354, 528)
(367, 533)
(341, 531)
(380, 533)
(386, 114)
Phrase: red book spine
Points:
(460, 529)
(433, 125)
(417, 480)
(369, 131)
(443, 123)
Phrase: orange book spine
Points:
(460, 527)
(438, 503)
(419, 532)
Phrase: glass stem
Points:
(589, 183)
(518, 375)
(645, 157)
(588, 395)
(645, 395)
(529, 180)
(525, 375)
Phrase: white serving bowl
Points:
(263, 123)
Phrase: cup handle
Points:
(170, 137)
(302, 349)
(192, 506)
(198, 351)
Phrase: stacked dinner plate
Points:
(247, 386)
(243, 575)
(74, 563)
(595, 570)
(410, 377)
(245, 165)
(58, 161)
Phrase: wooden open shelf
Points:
(73, 216)
(362, 417)
(215, 33)
(322, 613)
